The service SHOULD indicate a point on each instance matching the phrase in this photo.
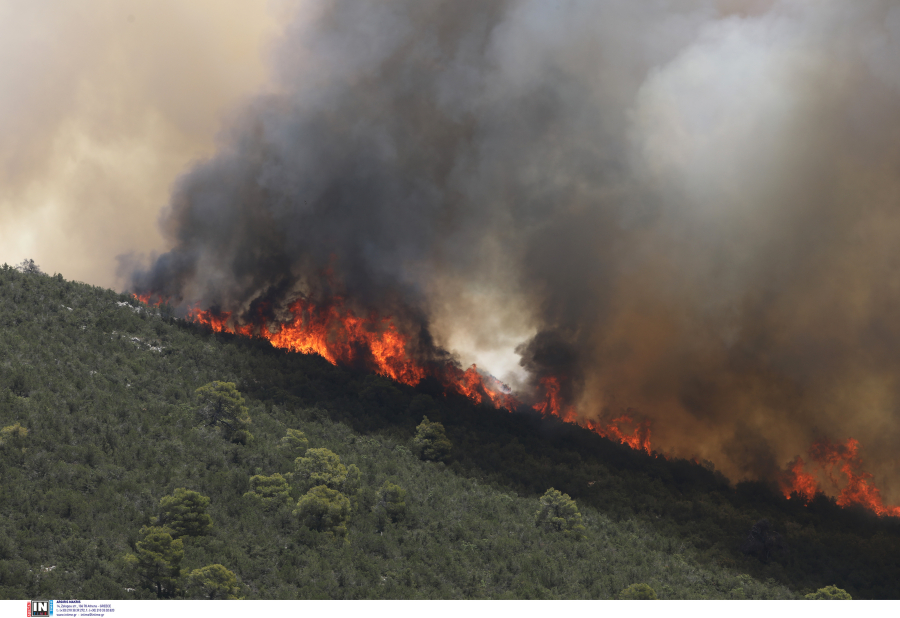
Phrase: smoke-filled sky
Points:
(686, 207)
(103, 103)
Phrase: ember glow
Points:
(622, 429)
(335, 333)
(338, 335)
(828, 458)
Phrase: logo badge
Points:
(40, 608)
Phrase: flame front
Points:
(552, 405)
(828, 457)
(335, 333)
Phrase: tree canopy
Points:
(390, 503)
(294, 441)
(213, 582)
(222, 405)
(321, 467)
(270, 492)
(158, 558)
(559, 513)
(431, 442)
(325, 510)
(184, 513)
(638, 592)
(829, 593)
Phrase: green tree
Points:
(350, 485)
(325, 510)
(430, 442)
(221, 405)
(270, 492)
(638, 592)
(390, 504)
(14, 436)
(158, 558)
(829, 593)
(295, 441)
(213, 582)
(559, 513)
(321, 467)
(184, 513)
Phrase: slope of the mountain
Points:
(105, 388)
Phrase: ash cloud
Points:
(692, 203)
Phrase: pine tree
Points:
(320, 467)
(213, 582)
(221, 405)
(431, 443)
(270, 492)
(158, 559)
(559, 513)
(184, 513)
(325, 510)
(390, 505)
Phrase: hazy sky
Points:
(103, 104)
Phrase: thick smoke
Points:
(693, 204)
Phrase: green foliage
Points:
(14, 436)
(638, 592)
(559, 513)
(184, 513)
(351, 484)
(106, 388)
(270, 492)
(430, 442)
(829, 593)
(213, 582)
(295, 442)
(158, 559)
(222, 405)
(325, 510)
(390, 503)
(320, 467)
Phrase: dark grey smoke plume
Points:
(694, 204)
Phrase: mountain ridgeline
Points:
(105, 436)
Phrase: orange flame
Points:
(798, 481)
(552, 405)
(845, 457)
(339, 336)
(334, 333)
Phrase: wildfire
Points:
(552, 405)
(844, 457)
(338, 335)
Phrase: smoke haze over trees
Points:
(687, 208)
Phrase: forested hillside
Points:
(109, 453)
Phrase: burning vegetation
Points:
(334, 332)
(826, 459)
(718, 275)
